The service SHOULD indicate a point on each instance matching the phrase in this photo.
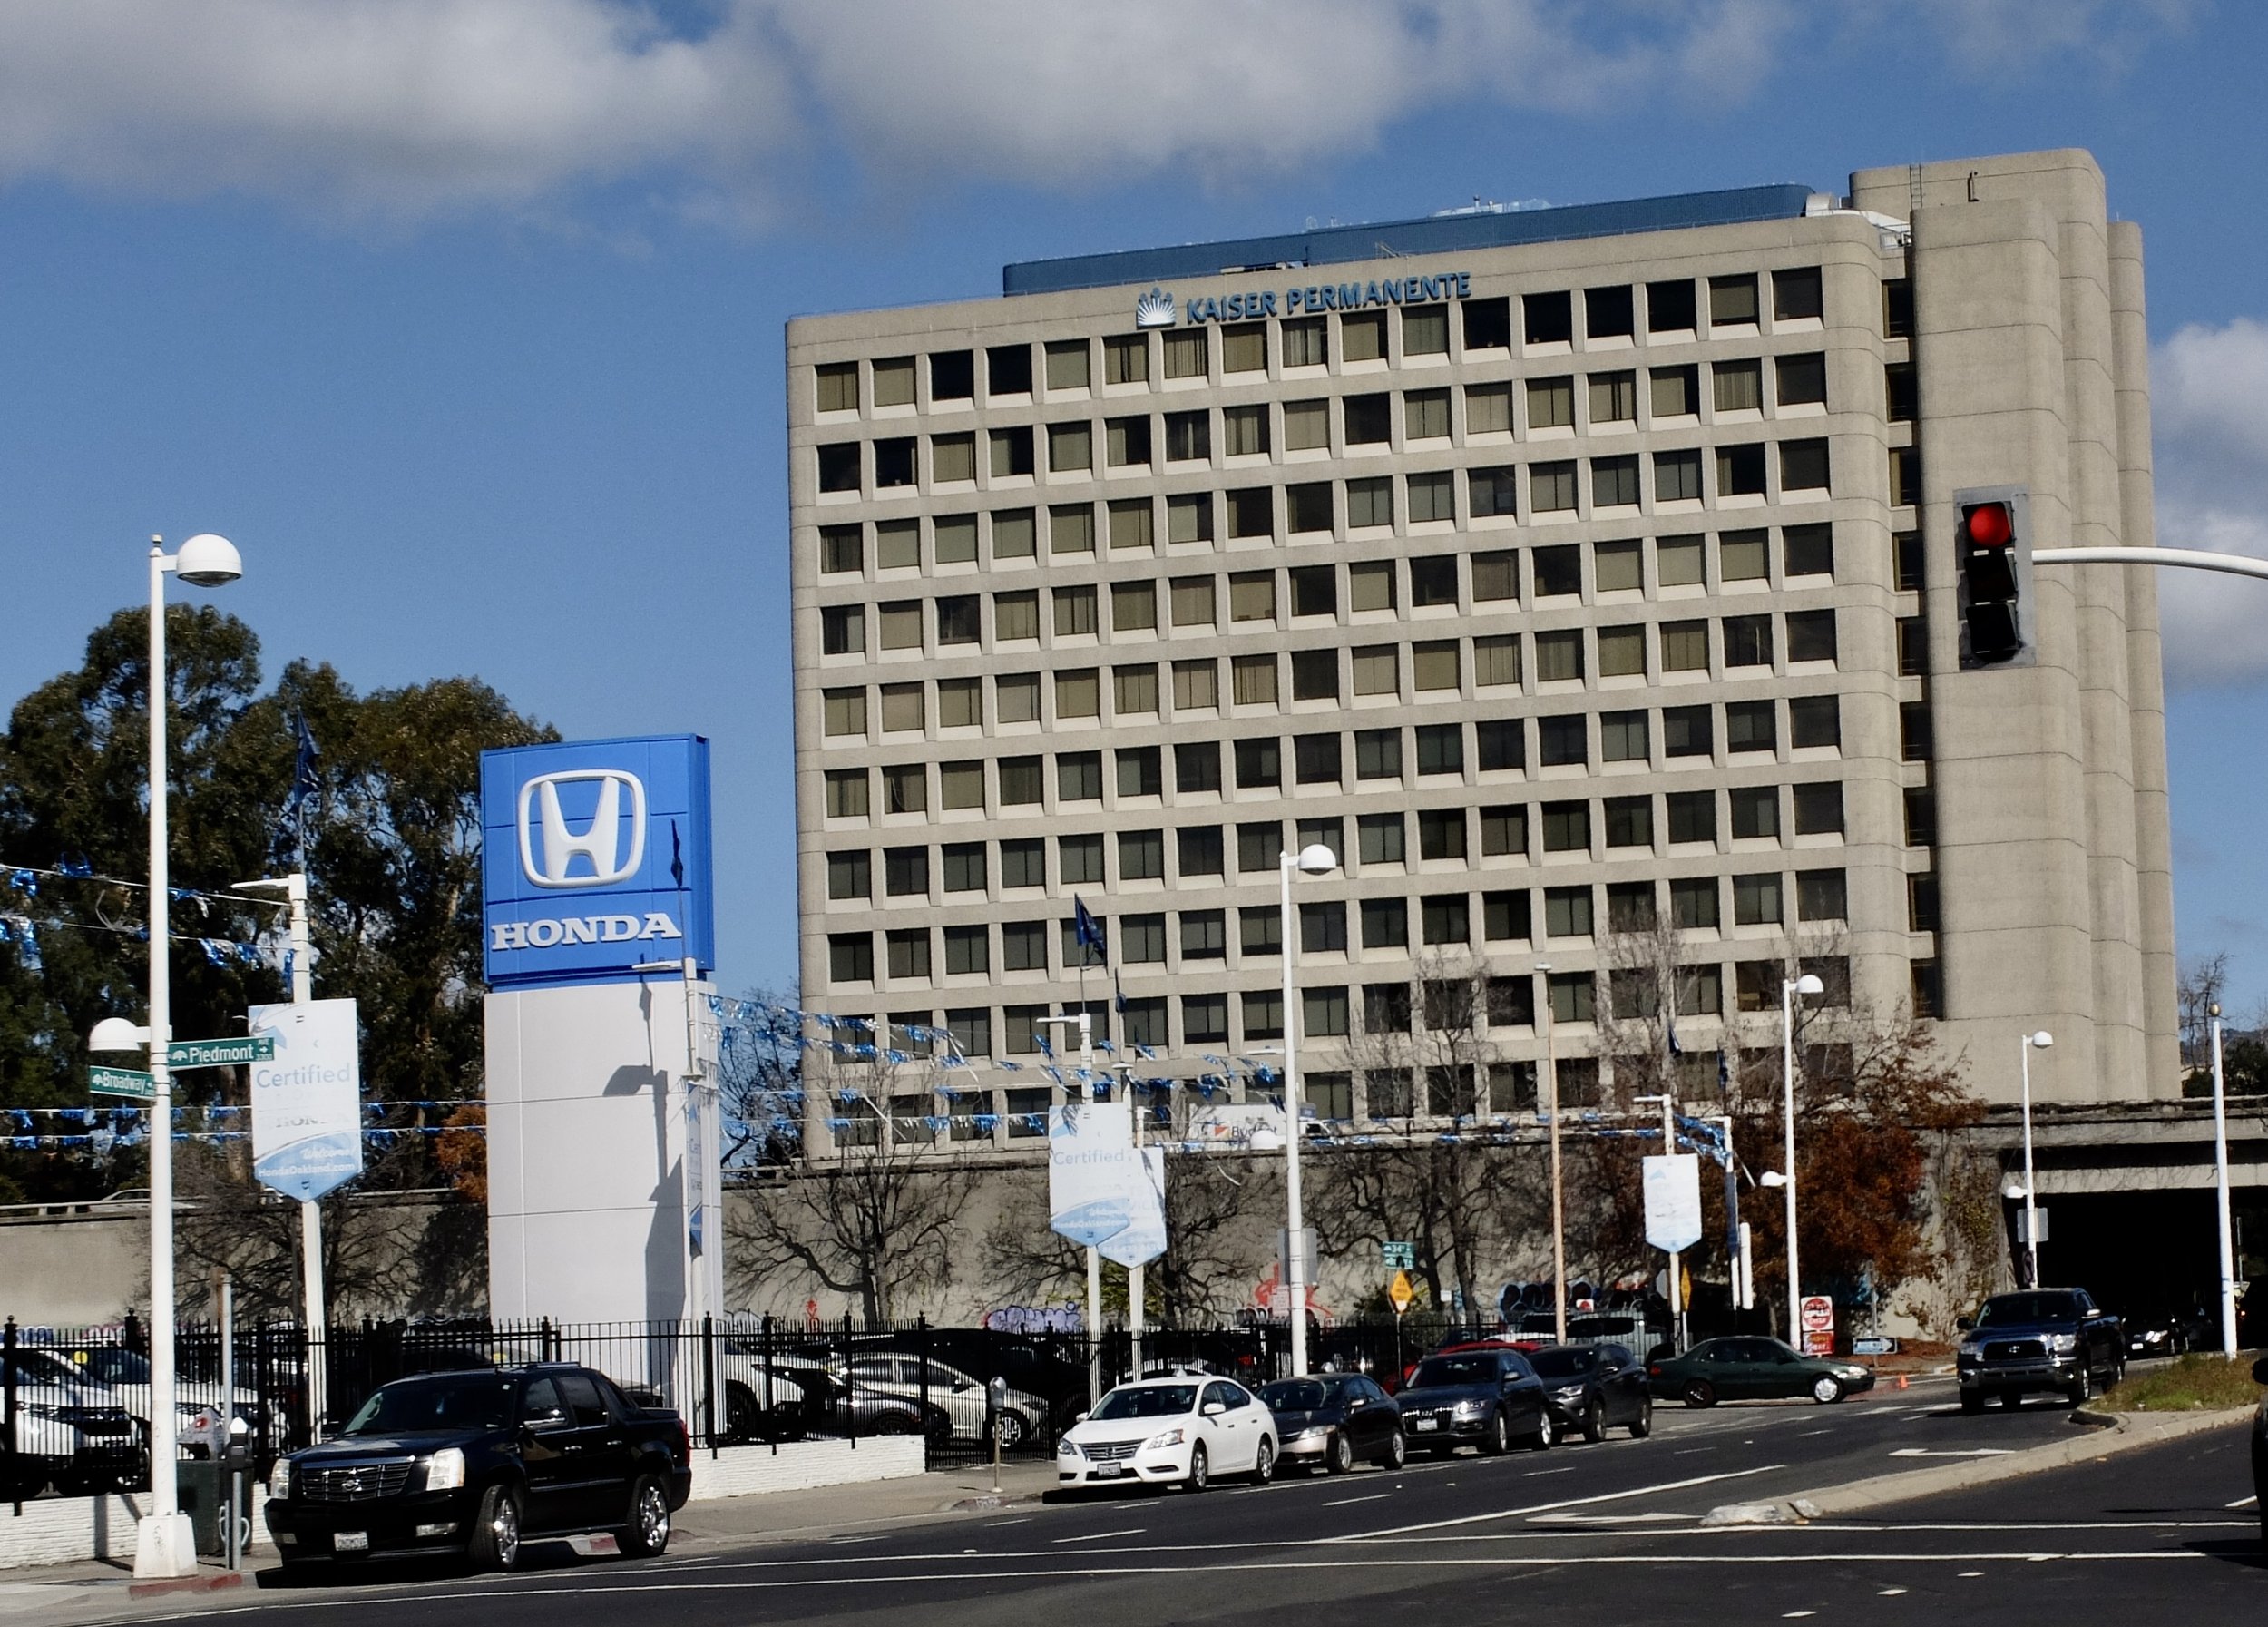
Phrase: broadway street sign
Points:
(121, 1082)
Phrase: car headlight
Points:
(1068, 1449)
(279, 1479)
(1314, 1432)
(1468, 1409)
(1569, 1392)
(2154, 1337)
(2063, 1344)
(444, 1470)
(1164, 1437)
(1851, 1374)
(1973, 1348)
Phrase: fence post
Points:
(7, 1409)
(709, 1376)
(920, 1340)
(765, 1398)
(546, 1335)
(850, 1387)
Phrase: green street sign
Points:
(1400, 1257)
(121, 1082)
(220, 1053)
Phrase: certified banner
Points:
(307, 1099)
(1673, 1200)
(1144, 1239)
(1094, 1178)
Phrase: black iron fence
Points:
(78, 1400)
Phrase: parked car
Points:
(64, 1440)
(1753, 1370)
(109, 1375)
(1484, 1398)
(1179, 1431)
(2169, 1330)
(794, 1395)
(1594, 1388)
(2055, 1339)
(963, 1401)
(1332, 1420)
(476, 1463)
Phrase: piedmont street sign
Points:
(121, 1082)
(220, 1053)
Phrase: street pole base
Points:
(164, 1545)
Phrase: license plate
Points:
(1424, 1424)
(350, 1542)
(1110, 1471)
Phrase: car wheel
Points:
(741, 1412)
(1826, 1389)
(1198, 1477)
(1499, 1439)
(1643, 1425)
(1263, 1465)
(648, 1531)
(1972, 1401)
(1397, 1451)
(1699, 1392)
(1595, 1420)
(496, 1544)
(1547, 1434)
(1013, 1430)
(1338, 1457)
(2082, 1388)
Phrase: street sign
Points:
(1819, 1324)
(1400, 1257)
(220, 1053)
(1400, 1292)
(121, 1082)
(1874, 1345)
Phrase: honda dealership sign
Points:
(596, 858)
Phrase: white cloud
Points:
(2209, 401)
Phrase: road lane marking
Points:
(996, 1525)
(1614, 1519)
(1532, 1473)
(1096, 1536)
(1969, 1452)
(1889, 1592)
(1515, 1514)
(2244, 1502)
(1374, 1497)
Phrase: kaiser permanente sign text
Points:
(1327, 296)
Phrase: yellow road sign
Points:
(1400, 1292)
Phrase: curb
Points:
(215, 1582)
(2121, 1432)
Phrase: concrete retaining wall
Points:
(53, 1531)
(800, 1465)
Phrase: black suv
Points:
(2050, 1339)
(1488, 1398)
(473, 1463)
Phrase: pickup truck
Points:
(2055, 1339)
(476, 1463)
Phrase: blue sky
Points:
(464, 317)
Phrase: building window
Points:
(1748, 641)
(1921, 903)
(1488, 409)
(1134, 607)
(1141, 770)
(1445, 918)
(1504, 918)
(1244, 348)
(1314, 674)
(1630, 822)
(844, 711)
(1676, 392)
(1198, 848)
(1692, 816)
(1693, 902)
(1913, 731)
(1432, 497)
(1614, 397)
(1188, 437)
(1804, 466)
(1801, 380)
(1385, 926)
(1744, 556)
(1622, 737)
(1245, 430)
(1566, 912)
(1797, 293)
(1252, 512)
(1323, 927)
(1488, 324)
(1125, 357)
(1900, 397)
(1819, 808)
(842, 630)
(1755, 812)
(1567, 828)
(1196, 685)
(1685, 646)
(1738, 385)
(1376, 670)
(951, 458)
(1307, 507)
(1676, 476)
(1425, 331)
(1068, 364)
(1259, 764)
(839, 466)
(1929, 996)
(1306, 342)
(846, 793)
(1622, 652)
(1020, 785)
(1613, 481)
(1678, 561)
(842, 550)
(1263, 1017)
(1191, 600)
(1016, 698)
(1921, 817)
(964, 867)
(1378, 754)
(960, 784)
(1425, 415)
(1551, 402)
(1260, 930)
(1367, 420)
(837, 386)
(1757, 900)
(1141, 940)
(1905, 476)
(849, 875)
(1821, 895)
(1187, 353)
(1503, 743)
(1571, 1002)
(905, 789)
(1750, 726)
(850, 957)
(1440, 749)
(1251, 680)
(1316, 759)
(1126, 442)
(1808, 550)
(1324, 1014)
(1686, 732)
(1433, 665)
(1811, 636)
(1549, 318)
(1204, 1020)
(968, 950)
(1740, 470)
(1079, 777)
(1496, 660)
(1369, 501)
(1669, 306)
(1442, 833)
(901, 624)
(1630, 907)
(1814, 720)
(1079, 693)
(1607, 313)
(1733, 301)
(893, 462)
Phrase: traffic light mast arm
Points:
(2195, 559)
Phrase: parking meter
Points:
(995, 1404)
(236, 1462)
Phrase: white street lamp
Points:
(164, 1545)
(2221, 1185)
(1808, 984)
(2032, 1042)
(1314, 859)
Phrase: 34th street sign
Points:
(220, 1053)
(121, 1082)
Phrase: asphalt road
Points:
(1612, 1532)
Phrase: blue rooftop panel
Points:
(1436, 234)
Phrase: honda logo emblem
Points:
(599, 843)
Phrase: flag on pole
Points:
(1087, 932)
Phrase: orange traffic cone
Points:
(1901, 1381)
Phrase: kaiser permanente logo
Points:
(1156, 308)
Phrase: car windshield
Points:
(1565, 1362)
(108, 1365)
(2017, 1310)
(1151, 1401)
(418, 1404)
(1454, 1369)
(1299, 1395)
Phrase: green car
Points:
(1752, 1370)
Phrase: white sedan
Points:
(1177, 1431)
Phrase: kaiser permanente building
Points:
(1564, 571)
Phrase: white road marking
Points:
(1532, 1473)
(1374, 1497)
(1889, 1592)
(996, 1525)
(1970, 1452)
(1612, 1519)
(1514, 1513)
(1096, 1536)
(1972, 1572)
(1790, 1616)
(2244, 1502)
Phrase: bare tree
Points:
(2199, 988)
(877, 1215)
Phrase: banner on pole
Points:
(1103, 1193)
(1673, 1200)
(306, 1098)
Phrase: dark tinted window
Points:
(2016, 1310)
(459, 1402)
(1564, 1361)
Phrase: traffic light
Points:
(1992, 556)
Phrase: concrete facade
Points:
(1618, 582)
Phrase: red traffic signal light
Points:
(1987, 525)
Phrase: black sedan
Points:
(1596, 1387)
(1753, 1370)
(472, 1463)
(1334, 1419)
(1484, 1398)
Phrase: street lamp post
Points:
(2221, 1187)
(1094, 1256)
(164, 1545)
(2039, 1041)
(1550, 1093)
(1807, 984)
(1314, 859)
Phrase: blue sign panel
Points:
(595, 859)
